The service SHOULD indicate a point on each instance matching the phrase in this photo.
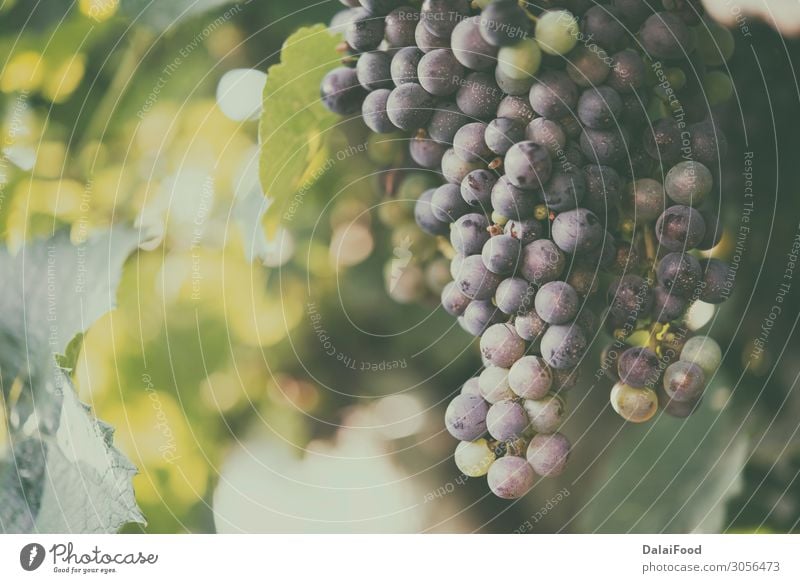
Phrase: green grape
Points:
(718, 87)
(415, 183)
(715, 43)
(634, 405)
(473, 458)
(520, 61)
(704, 352)
(557, 32)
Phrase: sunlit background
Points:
(288, 379)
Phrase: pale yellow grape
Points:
(473, 458)
(520, 61)
(557, 32)
(634, 405)
(704, 352)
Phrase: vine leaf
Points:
(160, 16)
(294, 126)
(63, 473)
(672, 475)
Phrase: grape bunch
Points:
(575, 150)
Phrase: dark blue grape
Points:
(679, 273)
(599, 107)
(448, 205)
(514, 295)
(501, 254)
(557, 302)
(680, 228)
(445, 122)
(410, 106)
(469, 233)
(404, 66)
(563, 347)
(513, 202)
(528, 165)
(504, 24)
(475, 281)
(380, 7)
(502, 133)
(469, 143)
(426, 152)
(708, 143)
(373, 110)
(667, 307)
(554, 94)
(440, 73)
(423, 214)
(478, 316)
(526, 230)
(605, 147)
(603, 189)
(365, 31)
(717, 280)
(374, 70)
(663, 141)
(476, 188)
(470, 48)
(577, 231)
(479, 96)
(341, 92)
(542, 261)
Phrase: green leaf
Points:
(69, 360)
(295, 126)
(74, 481)
(672, 475)
(160, 16)
(53, 291)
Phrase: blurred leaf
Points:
(53, 291)
(670, 476)
(161, 16)
(74, 481)
(294, 127)
(69, 359)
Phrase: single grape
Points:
(680, 228)
(630, 297)
(557, 32)
(528, 165)
(667, 306)
(341, 92)
(665, 36)
(588, 67)
(473, 458)
(603, 189)
(704, 352)
(440, 73)
(501, 254)
(599, 107)
(401, 25)
(493, 383)
(530, 377)
(373, 110)
(684, 381)
(679, 273)
(504, 24)
(470, 48)
(715, 43)
(526, 230)
(506, 420)
(513, 202)
(427, 41)
(440, 17)
(453, 301)
(426, 152)
(465, 417)
(542, 261)
(373, 70)
(513, 87)
(605, 147)
(501, 345)
(404, 66)
(469, 143)
(471, 387)
(577, 231)
(475, 281)
(521, 60)
(663, 141)
(584, 279)
(628, 72)
(454, 169)
(502, 133)
(530, 326)
(564, 346)
(479, 96)
(448, 206)
(476, 188)
(409, 106)
(603, 25)
(478, 316)
(548, 454)
(638, 367)
(469, 233)
(510, 477)
(565, 189)
(634, 405)
(689, 183)
(516, 107)
(557, 302)
(717, 281)
(445, 122)
(514, 295)
(547, 133)
(545, 414)
(424, 217)
(646, 198)
(553, 95)
(365, 31)
(708, 143)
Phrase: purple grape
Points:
(514, 295)
(470, 48)
(516, 107)
(365, 31)
(717, 281)
(577, 231)
(684, 381)
(563, 346)
(439, 72)
(401, 25)
(510, 477)
(341, 92)
(545, 414)
(478, 316)
(506, 420)
(542, 261)
(373, 110)
(665, 36)
(404, 66)
(501, 254)
(638, 367)
(453, 301)
(469, 233)
(471, 387)
(465, 417)
(479, 96)
(667, 306)
(513, 202)
(454, 169)
(502, 133)
(440, 17)
(410, 106)
(423, 214)
(469, 143)
(680, 228)
(374, 70)
(476, 188)
(526, 230)
(528, 165)
(530, 377)
(427, 153)
(554, 94)
(557, 302)
(426, 41)
(504, 24)
(566, 380)
(448, 206)
(599, 107)
(547, 133)
(628, 71)
(445, 122)
(475, 281)
(548, 454)
(605, 147)
(530, 326)
(501, 345)
(679, 273)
